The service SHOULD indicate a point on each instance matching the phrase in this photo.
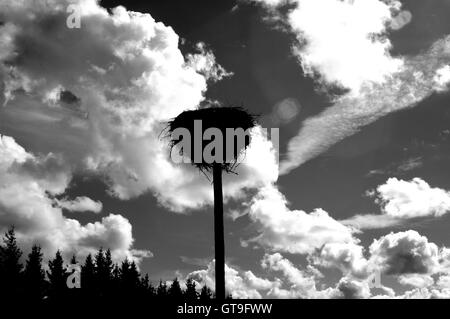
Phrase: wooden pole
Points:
(219, 241)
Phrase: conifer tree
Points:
(146, 288)
(106, 274)
(205, 293)
(191, 291)
(99, 262)
(151, 290)
(134, 275)
(11, 269)
(109, 265)
(161, 291)
(88, 275)
(11, 254)
(116, 273)
(129, 275)
(124, 273)
(57, 275)
(34, 275)
(145, 283)
(101, 277)
(175, 291)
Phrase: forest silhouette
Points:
(100, 279)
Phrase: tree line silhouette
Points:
(100, 279)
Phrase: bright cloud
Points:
(413, 198)
(407, 257)
(347, 257)
(242, 285)
(404, 253)
(106, 90)
(81, 204)
(349, 114)
(294, 231)
(415, 280)
(442, 78)
(400, 20)
(348, 45)
(293, 282)
(301, 283)
(26, 188)
(402, 200)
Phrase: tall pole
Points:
(219, 241)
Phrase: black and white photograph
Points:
(224, 158)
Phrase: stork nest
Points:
(213, 117)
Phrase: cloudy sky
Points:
(357, 88)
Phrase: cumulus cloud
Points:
(352, 289)
(400, 20)
(301, 283)
(347, 257)
(442, 78)
(347, 45)
(204, 62)
(413, 198)
(81, 204)
(444, 281)
(402, 200)
(404, 253)
(297, 283)
(106, 89)
(293, 231)
(338, 44)
(444, 260)
(27, 186)
(407, 257)
(415, 280)
(242, 285)
(292, 282)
